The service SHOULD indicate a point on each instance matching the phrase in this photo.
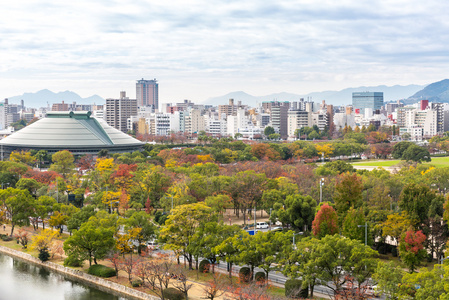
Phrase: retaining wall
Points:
(81, 276)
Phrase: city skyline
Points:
(199, 49)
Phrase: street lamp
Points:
(366, 232)
(321, 189)
(295, 234)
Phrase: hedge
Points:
(204, 266)
(245, 274)
(173, 294)
(101, 271)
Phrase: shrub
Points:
(73, 261)
(6, 237)
(245, 274)
(136, 283)
(294, 289)
(43, 254)
(259, 277)
(394, 251)
(173, 294)
(204, 266)
(101, 271)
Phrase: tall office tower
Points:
(362, 100)
(439, 108)
(119, 110)
(147, 93)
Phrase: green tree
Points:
(416, 153)
(80, 217)
(348, 193)
(141, 220)
(28, 184)
(388, 277)
(299, 211)
(92, 241)
(427, 284)
(268, 130)
(63, 162)
(18, 206)
(182, 224)
(399, 149)
(416, 199)
(351, 228)
(335, 259)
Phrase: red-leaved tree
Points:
(411, 248)
(325, 222)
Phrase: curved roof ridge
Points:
(96, 129)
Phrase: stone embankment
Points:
(97, 282)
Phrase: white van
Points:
(261, 225)
(153, 245)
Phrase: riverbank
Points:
(97, 282)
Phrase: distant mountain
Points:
(342, 97)
(435, 92)
(42, 97)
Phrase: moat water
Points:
(20, 280)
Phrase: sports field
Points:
(438, 162)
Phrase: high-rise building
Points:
(147, 93)
(362, 100)
(119, 110)
(279, 117)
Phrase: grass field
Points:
(438, 162)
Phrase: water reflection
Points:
(20, 280)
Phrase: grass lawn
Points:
(438, 162)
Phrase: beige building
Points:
(298, 119)
(119, 110)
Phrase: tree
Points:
(325, 222)
(77, 219)
(299, 211)
(412, 249)
(426, 284)
(63, 162)
(335, 260)
(147, 230)
(416, 199)
(399, 149)
(395, 225)
(268, 130)
(416, 153)
(388, 277)
(44, 239)
(28, 184)
(182, 224)
(92, 241)
(18, 206)
(22, 156)
(351, 228)
(348, 193)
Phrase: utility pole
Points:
(366, 232)
(321, 189)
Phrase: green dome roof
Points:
(72, 131)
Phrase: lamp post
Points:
(321, 189)
(295, 234)
(270, 219)
(366, 232)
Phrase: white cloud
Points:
(197, 49)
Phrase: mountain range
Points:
(435, 92)
(43, 98)
(343, 97)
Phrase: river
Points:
(21, 280)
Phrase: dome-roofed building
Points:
(75, 131)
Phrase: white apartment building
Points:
(215, 126)
(298, 119)
(194, 121)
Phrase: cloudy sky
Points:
(202, 48)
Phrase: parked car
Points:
(262, 225)
(153, 244)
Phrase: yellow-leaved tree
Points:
(44, 240)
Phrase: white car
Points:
(261, 225)
(153, 244)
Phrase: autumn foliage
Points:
(325, 221)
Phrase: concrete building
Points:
(298, 119)
(215, 125)
(363, 100)
(147, 93)
(119, 110)
(279, 117)
(194, 122)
